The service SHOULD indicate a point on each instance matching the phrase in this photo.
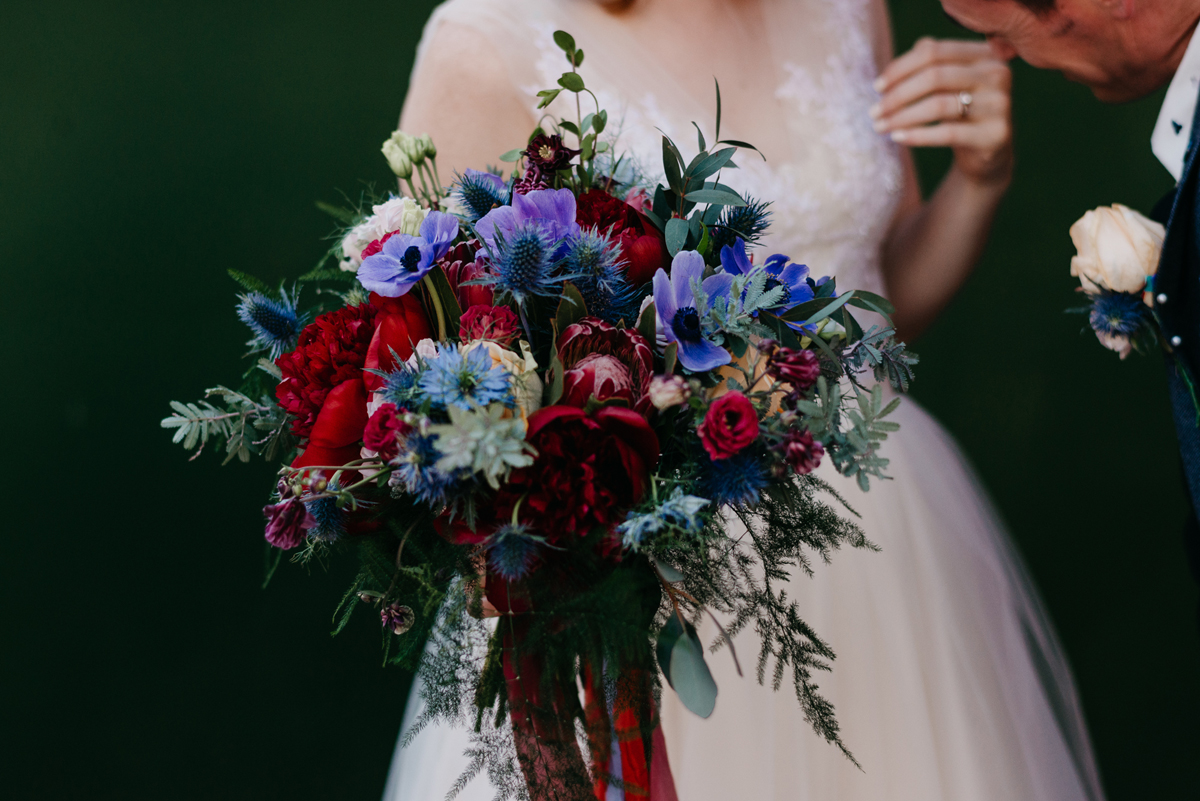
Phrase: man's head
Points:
(1120, 49)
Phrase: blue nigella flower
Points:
(406, 259)
(417, 471)
(1117, 313)
(734, 481)
(512, 551)
(276, 323)
(551, 211)
(329, 520)
(746, 223)
(480, 192)
(681, 512)
(453, 379)
(594, 261)
(524, 263)
(676, 305)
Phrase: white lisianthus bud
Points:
(1116, 342)
(667, 391)
(1117, 249)
(427, 145)
(396, 155)
(413, 149)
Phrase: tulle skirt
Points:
(949, 683)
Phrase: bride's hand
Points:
(956, 94)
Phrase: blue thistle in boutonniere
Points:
(1117, 318)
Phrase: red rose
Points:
(330, 352)
(383, 431)
(589, 471)
(642, 245)
(730, 425)
(460, 265)
(608, 362)
(401, 323)
(497, 323)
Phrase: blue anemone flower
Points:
(781, 272)
(465, 381)
(735, 481)
(675, 303)
(480, 192)
(276, 323)
(1117, 313)
(512, 551)
(406, 259)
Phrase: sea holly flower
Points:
(329, 521)
(276, 323)
(406, 259)
(596, 262)
(745, 223)
(683, 314)
(551, 211)
(737, 481)
(480, 192)
(465, 380)
(512, 551)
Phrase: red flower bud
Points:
(598, 375)
(730, 425)
(802, 452)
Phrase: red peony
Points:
(608, 362)
(461, 266)
(384, 430)
(401, 323)
(497, 323)
(590, 470)
(641, 244)
(329, 352)
(730, 425)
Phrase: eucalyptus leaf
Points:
(677, 232)
(872, 302)
(814, 311)
(571, 81)
(672, 166)
(665, 642)
(717, 84)
(746, 145)
(647, 325)
(699, 136)
(512, 155)
(718, 197)
(690, 676)
(565, 41)
(712, 163)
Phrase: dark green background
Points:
(146, 147)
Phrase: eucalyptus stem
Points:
(437, 307)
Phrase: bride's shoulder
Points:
(492, 15)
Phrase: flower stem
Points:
(437, 308)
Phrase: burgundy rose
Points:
(548, 153)
(642, 246)
(384, 430)
(730, 425)
(287, 523)
(497, 323)
(400, 324)
(329, 352)
(801, 452)
(603, 360)
(589, 471)
(460, 265)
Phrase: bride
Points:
(949, 683)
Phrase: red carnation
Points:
(330, 352)
(384, 429)
(401, 323)
(642, 245)
(590, 470)
(799, 368)
(497, 323)
(608, 362)
(730, 425)
(802, 452)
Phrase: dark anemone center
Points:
(686, 324)
(412, 259)
(773, 282)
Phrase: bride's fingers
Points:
(988, 137)
(928, 52)
(945, 106)
(942, 78)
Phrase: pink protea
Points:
(608, 362)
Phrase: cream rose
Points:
(1117, 249)
(524, 369)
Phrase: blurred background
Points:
(145, 147)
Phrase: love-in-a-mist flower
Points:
(406, 259)
(466, 380)
(682, 314)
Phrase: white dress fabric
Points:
(949, 684)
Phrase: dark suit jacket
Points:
(1177, 306)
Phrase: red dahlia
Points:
(330, 351)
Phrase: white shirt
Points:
(1173, 130)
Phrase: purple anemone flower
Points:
(781, 272)
(675, 304)
(552, 210)
(406, 259)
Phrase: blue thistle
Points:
(401, 386)
(418, 474)
(594, 262)
(512, 551)
(735, 481)
(523, 264)
(330, 520)
(276, 323)
(1117, 313)
(747, 222)
(480, 192)
(465, 381)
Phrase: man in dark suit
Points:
(1123, 50)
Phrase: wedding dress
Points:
(949, 684)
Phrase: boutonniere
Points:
(1118, 251)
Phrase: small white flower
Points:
(484, 441)
(401, 214)
(353, 243)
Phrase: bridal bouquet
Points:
(534, 406)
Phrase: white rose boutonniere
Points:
(1118, 251)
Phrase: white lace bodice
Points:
(832, 181)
